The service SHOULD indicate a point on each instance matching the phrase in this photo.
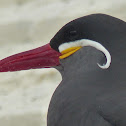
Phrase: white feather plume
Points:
(87, 42)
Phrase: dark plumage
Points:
(89, 95)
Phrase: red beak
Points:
(42, 57)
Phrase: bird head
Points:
(91, 30)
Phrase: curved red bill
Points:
(42, 57)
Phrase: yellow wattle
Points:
(69, 51)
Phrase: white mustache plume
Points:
(87, 42)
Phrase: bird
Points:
(90, 54)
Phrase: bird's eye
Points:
(70, 35)
(73, 33)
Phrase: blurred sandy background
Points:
(27, 24)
